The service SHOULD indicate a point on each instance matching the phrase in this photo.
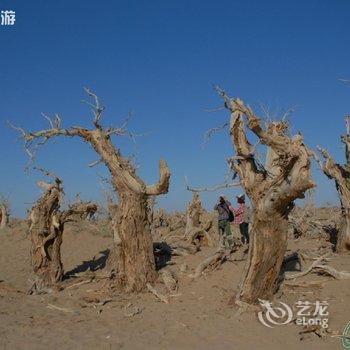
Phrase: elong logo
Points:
(306, 315)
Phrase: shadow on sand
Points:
(162, 254)
(90, 265)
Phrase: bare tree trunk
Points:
(272, 189)
(194, 210)
(4, 216)
(46, 239)
(134, 265)
(341, 176)
(46, 226)
(343, 239)
(267, 248)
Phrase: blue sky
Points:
(160, 59)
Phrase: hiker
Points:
(225, 217)
(240, 214)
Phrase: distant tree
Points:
(4, 212)
(194, 210)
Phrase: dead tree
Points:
(197, 226)
(272, 189)
(193, 213)
(133, 259)
(202, 226)
(4, 213)
(46, 226)
(151, 202)
(160, 218)
(341, 176)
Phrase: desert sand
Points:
(85, 315)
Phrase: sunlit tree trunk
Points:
(341, 176)
(272, 188)
(4, 212)
(46, 226)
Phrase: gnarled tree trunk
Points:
(134, 264)
(132, 259)
(193, 213)
(268, 242)
(46, 239)
(46, 226)
(341, 176)
(4, 215)
(272, 189)
(343, 238)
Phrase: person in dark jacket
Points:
(223, 208)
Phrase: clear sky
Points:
(160, 59)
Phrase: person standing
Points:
(225, 217)
(240, 212)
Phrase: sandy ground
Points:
(198, 317)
